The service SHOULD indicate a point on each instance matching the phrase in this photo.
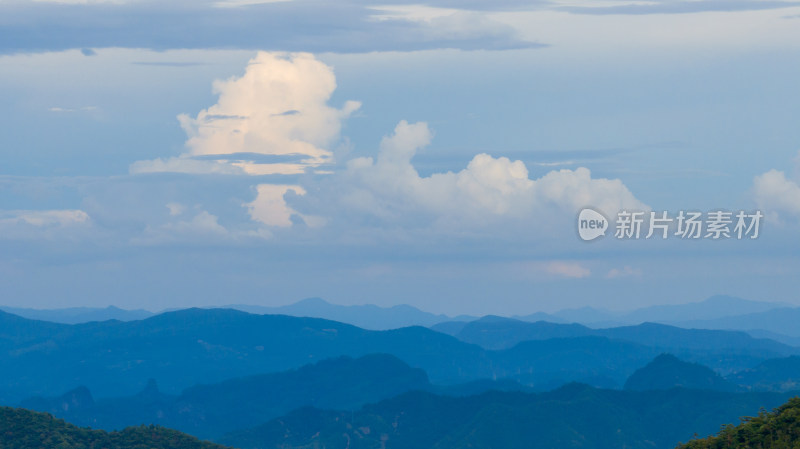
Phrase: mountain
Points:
(541, 316)
(585, 315)
(492, 332)
(718, 307)
(779, 320)
(778, 429)
(780, 338)
(667, 371)
(726, 351)
(197, 346)
(366, 316)
(771, 375)
(715, 307)
(574, 416)
(548, 364)
(24, 429)
(201, 346)
(450, 327)
(211, 410)
(75, 315)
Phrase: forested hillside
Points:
(24, 429)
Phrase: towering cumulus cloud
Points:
(272, 120)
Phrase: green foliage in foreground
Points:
(24, 429)
(779, 429)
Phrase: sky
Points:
(196, 153)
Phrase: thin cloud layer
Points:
(299, 25)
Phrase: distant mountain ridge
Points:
(196, 346)
(716, 312)
(502, 333)
(77, 315)
(367, 316)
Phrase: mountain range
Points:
(716, 312)
(211, 410)
(199, 346)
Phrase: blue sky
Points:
(207, 153)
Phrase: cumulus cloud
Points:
(34, 224)
(573, 270)
(270, 207)
(776, 195)
(625, 271)
(489, 190)
(279, 107)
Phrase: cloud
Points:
(175, 209)
(43, 218)
(185, 164)
(275, 120)
(625, 271)
(270, 207)
(42, 224)
(70, 110)
(489, 191)
(299, 25)
(776, 195)
(277, 108)
(573, 270)
(676, 7)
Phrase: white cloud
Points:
(488, 191)
(776, 195)
(270, 208)
(185, 164)
(202, 223)
(275, 119)
(278, 108)
(202, 227)
(68, 110)
(43, 224)
(572, 270)
(625, 271)
(175, 209)
(44, 218)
